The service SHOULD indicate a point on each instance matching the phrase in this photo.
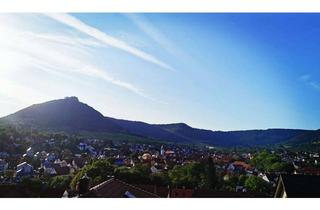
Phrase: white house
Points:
(30, 152)
(51, 157)
(50, 171)
(4, 154)
(24, 169)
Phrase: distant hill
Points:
(71, 115)
(305, 137)
(231, 138)
(67, 114)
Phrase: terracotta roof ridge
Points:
(138, 188)
(97, 187)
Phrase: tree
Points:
(194, 175)
(59, 182)
(242, 179)
(257, 184)
(211, 174)
(160, 179)
(34, 185)
(139, 174)
(98, 168)
(265, 161)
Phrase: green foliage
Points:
(183, 175)
(160, 179)
(33, 184)
(59, 182)
(231, 182)
(98, 179)
(140, 174)
(200, 175)
(211, 173)
(99, 168)
(257, 184)
(265, 161)
(242, 179)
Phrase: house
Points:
(309, 170)
(206, 193)
(119, 162)
(3, 166)
(231, 167)
(114, 188)
(51, 157)
(4, 154)
(264, 177)
(79, 162)
(146, 157)
(91, 150)
(82, 146)
(161, 191)
(24, 169)
(170, 153)
(14, 191)
(298, 186)
(238, 167)
(154, 170)
(180, 193)
(50, 171)
(30, 152)
(61, 170)
(241, 164)
(37, 155)
(162, 151)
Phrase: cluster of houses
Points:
(45, 157)
(42, 158)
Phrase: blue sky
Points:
(214, 71)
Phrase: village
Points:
(45, 157)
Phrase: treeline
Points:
(194, 175)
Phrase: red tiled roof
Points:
(114, 188)
(181, 193)
(242, 164)
(161, 191)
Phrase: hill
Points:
(71, 115)
(68, 114)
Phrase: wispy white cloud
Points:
(315, 85)
(67, 39)
(105, 38)
(144, 25)
(305, 77)
(309, 81)
(62, 55)
(157, 36)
